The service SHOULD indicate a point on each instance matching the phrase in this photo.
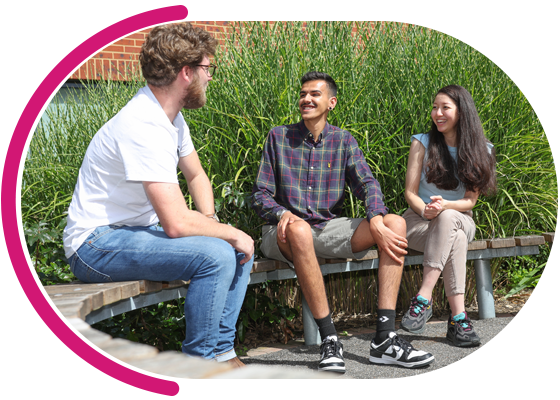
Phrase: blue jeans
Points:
(218, 282)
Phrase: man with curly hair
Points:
(128, 219)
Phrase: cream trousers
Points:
(444, 241)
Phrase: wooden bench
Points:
(84, 304)
(481, 251)
(91, 303)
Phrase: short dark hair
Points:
(321, 76)
(168, 48)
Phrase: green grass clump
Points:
(387, 75)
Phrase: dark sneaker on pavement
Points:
(331, 356)
(419, 312)
(397, 351)
(460, 331)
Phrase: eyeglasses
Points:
(209, 69)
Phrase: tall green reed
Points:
(387, 75)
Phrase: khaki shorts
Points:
(331, 242)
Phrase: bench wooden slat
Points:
(79, 309)
(110, 294)
(531, 240)
(499, 243)
(96, 337)
(126, 351)
(95, 299)
(172, 363)
(84, 303)
(549, 237)
(478, 245)
(173, 284)
(150, 286)
(264, 265)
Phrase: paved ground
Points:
(515, 348)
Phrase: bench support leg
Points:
(310, 328)
(484, 289)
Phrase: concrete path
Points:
(515, 348)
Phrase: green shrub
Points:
(387, 75)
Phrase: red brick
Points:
(132, 49)
(125, 42)
(136, 36)
(113, 48)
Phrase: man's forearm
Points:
(201, 192)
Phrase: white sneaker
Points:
(397, 351)
(331, 356)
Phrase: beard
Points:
(195, 95)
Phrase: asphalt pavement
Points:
(515, 348)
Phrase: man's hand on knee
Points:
(287, 219)
(389, 234)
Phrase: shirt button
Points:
(311, 167)
(309, 188)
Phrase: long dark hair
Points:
(475, 167)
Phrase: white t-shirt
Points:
(138, 144)
(425, 189)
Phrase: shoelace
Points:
(466, 324)
(330, 348)
(416, 307)
(403, 344)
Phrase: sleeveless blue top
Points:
(425, 189)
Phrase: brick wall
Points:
(114, 60)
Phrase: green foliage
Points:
(161, 325)
(44, 243)
(522, 278)
(387, 74)
(263, 306)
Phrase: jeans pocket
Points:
(85, 273)
(101, 231)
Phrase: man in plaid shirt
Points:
(299, 192)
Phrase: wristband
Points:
(280, 213)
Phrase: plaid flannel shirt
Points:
(308, 178)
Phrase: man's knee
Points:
(396, 223)
(221, 254)
(299, 232)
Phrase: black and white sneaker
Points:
(331, 356)
(397, 351)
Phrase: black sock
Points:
(326, 327)
(385, 324)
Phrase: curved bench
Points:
(481, 251)
(85, 304)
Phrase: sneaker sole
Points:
(421, 330)
(391, 361)
(336, 368)
(457, 343)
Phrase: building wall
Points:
(114, 60)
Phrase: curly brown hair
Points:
(168, 48)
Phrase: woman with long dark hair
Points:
(448, 168)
